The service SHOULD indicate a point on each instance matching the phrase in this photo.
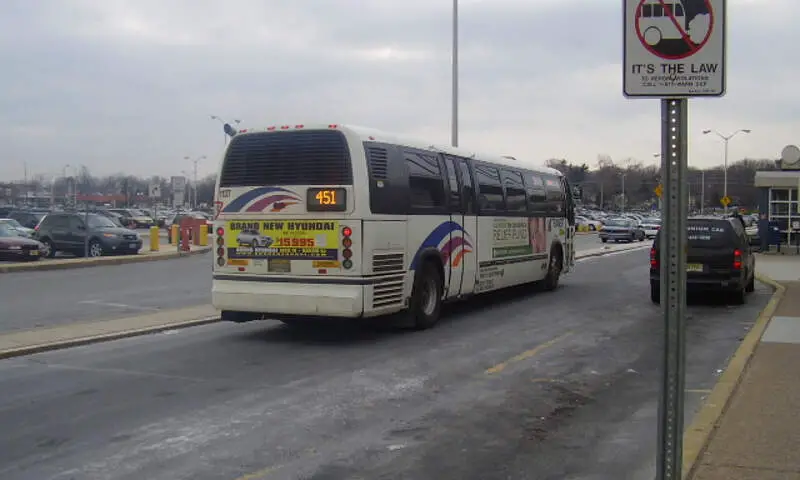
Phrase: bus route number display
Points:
(326, 199)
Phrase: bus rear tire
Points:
(554, 267)
(426, 297)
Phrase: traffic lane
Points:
(58, 297)
(469, 399)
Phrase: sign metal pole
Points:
(674, 168)
(673, 61)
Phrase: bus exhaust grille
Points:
(378, 162)
(387, 263)
(388, 291)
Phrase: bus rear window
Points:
(311, 157)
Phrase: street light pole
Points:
(623, 193)
(726, 139)
(194, 182)
(223, 122)
(454, 113)
(702, 190)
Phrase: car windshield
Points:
(652, 221)
(618, 222)
(137, 213)
(99, 221)
(7, 231)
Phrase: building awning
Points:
(777, 178)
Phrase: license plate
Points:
(694, 267)
(132, 245)
(279, 265)
(34, 253)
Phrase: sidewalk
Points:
(757, 435)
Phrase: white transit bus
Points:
(341, 221)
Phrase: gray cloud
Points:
(129, 85)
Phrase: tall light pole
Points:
(194, 183)
(623, 193)
(223, 122)
(726, 139)
(454, 113)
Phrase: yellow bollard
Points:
(203, 236)
(154, 240)
(174, 235)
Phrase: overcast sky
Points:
(129, 86)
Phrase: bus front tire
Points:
(426, 297)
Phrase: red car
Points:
(15, 247)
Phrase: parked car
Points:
(17, 227)
(718, 259)
(592, 225)
(27, 218)
(621, 230)
(651, 226)
(133, 218)
(68, 232)
(15, 247)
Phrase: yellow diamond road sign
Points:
(725, 201)
(659, 190)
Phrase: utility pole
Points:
(623, 193)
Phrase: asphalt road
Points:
(57, 297)
(101, 293)
(517, 385)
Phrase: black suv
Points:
(67, 232)
(718, 258)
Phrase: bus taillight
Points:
(221, 246)
(347, 242)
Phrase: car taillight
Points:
(653, 258)
(347, 242)
(737, 259)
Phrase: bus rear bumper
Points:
(288, 298)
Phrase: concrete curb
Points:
(76, 342)
(43, 265)
(699, 433)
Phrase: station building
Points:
(779, 194)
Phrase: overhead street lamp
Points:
(726, 139)
(223, 122)
(194, 186)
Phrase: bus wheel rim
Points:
(429, 296)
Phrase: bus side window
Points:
(515, 192)
(468, 187)
(491, 196)
(534, 185)
(454, 197)
(424, 181)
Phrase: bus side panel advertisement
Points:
(284, 239)
(510, 238)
